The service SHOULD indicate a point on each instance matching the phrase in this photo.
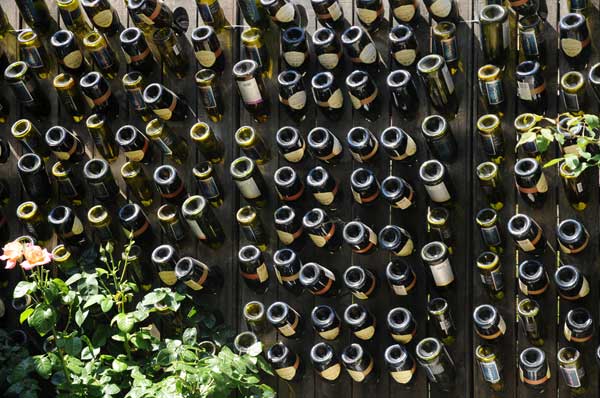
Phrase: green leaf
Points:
(572, 161)
(559, 138)
(547, 134)
(119, 365)
(592, 121)
(125, 322)
(106, 304)
(80, 316)
(87, 354)
(255, 349)
(73, 278)
(93, 299)
(72, 345)
(190, 336)
(24, 288)
(101, 271)
(553, 162)
(43, 366)
(43, 319)
(153, 298)
(25, 314)
(525, 138)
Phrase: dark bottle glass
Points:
(326, 362)
(570, 366)
(396, 240)
(252, 89)
(318, 280)
(254, 13)
(101, 222)
(439, 137)
(531, 182)
(135, 223)
(290, 143)
(579, 326)
(4, 110)
(531, 321)
(575, 40)
(326, 322)
(495, 33)
(170, 222)
(33, 52)
(103, 16)
(34, 178)
(134, 143)
(361, 321)
(364, 94)
(256, 319)
(488, 322)
(324, 145)
(70, 96)
(439, 227)
(400, 364)
(329, 13)
(327, 47)
(294, 49)
(434, 176)
(288, 185)
(64, 260)
(172, 146)
(323, 186)
(572, 90)
(441, 317)
(441, 10)
(288, 226)
(327, 95)
(491, 88)
(488, 223)
(137, 182)
(68, 227)
(436, 256)
(524, 7)
(359, 363)
(252, 145)
(532, 38)
(150, 14)
(30, 138)
(170, 185)
(324, 231)
(102, 54)
(165, 258)
(491, 184)
(403, 90)
(34, 221)
(522, 124)
(398, 144)
(210, 146)
(26, 88)
(285, 362)
(578, 6)
(208, 183)
(370, 14)
(136, 50)
(64, 144)
(360, 281)
(534, 370)
(360, 237)
(285, 319)
(283, 13)
(211, 14)
(249, 180)
(401, 324)
(533, 279)
(364, 186)
(489, 128)
(444, 35)
(198, 276)
(433, 357)
(360, 49)
(571, 283)
(490, 366)
(594, 80)
(403, 45)
(397, 192)
(252, 227)
(99, 94)
(100, 179)
(401, 277)
(73, 17)
(69, 187)
(207, 48)
(287, 270)
(210, 94)
(439, 85)
(492, 277)
(202, 221)
(292, 94)
(172, 48)
(404, 11)
(37, 15)
(572, 236)
(532, 87)
(69, 55)
(253, 268)
(133, 84)
(165, 103)
(255, 48)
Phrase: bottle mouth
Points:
(251, 35)
(358, 136)
(317, 176)
(59, 215)
(202, 33)
(323, 36)
(126, 134)
(434, 126)
(95, 120)
(392, 136)
(288, 77)
(437, 216)
(361, 178)
(486, 217)
(241, 167)
(355, 314)
(395, 354)
(488, 122)
(392, 186)
(318, 137)
(55, 135)
(244, 341)
(519, 224)
(431, 170)
(246, 215)
(205, 76)
(354, 276)
(323, 314)
(244, 67)
(285, 176)
(567, 276)
(245, 136)
(155, 127)
(254, 310)
(571, 21)
(525, 121)
(59, 170)
(284, 256)
(594, 74)
(568, 355)
(579, 318)
(129, 212)
(569, 230)
(27, 210)
(445, 28)
(284, 215)
(528, 68)
(488, 72)
(153, 92)
(529, 22)
(399, 317)
(389, 236)
(322, 80)
(400, 33)
(310, 272)
(525, 167)
(167, 212)
(193, 205)
(294, 34)
(16, 70)
(397, 270)
(321, 352)
(184, 267)
(433, 251)
(203, 169)
(90, 79)
(162, 35)
(130, 35)
(96, 168)
(287, 136)
(29, 163)
(314, 217)
(430, 63)
(165, 174)
(487, 171)
(278, 352)
(357, 78)
(572, 80)
(92, 39)
(132, 78)
(485, 315)
(428, 348)
(527, 307)
(277, 312)
(26, 35)
(207, 347)
(492, 13)
(531, 270)
(249, 253)
(61, 38)
(437, 306)
(200, 131)
(398, 78)
(487, 260)
(162, 254)
(21, 127)
(532, 357)
(352, 353)
(352, 35)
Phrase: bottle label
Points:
(332, 372)
(195, 227)
(206, 58)
(571, 47)
(335, 11)
(208, 97)
(103, 19)
(366, 333)
(262, 273)
(289, 329)
(491, 235)
(572, 376)
(329, 60)
(166, 113)
(366, 16)
(168, 277)
(368, 55)
(297, 155)
(524, 91)
(449, 49)
(404, 338)
(73, 60)
(529, 43)
(526, 245)
(403, 376)
(286, 13)
(319, 240)
(400, 290)
(296, 101)
(441, 8)
(490, 371)
(358, 375)
(494, 92)
(198, 284)
(405, 13)
(294, 58)
(406, 250)
(285, 237)
(336, 100)
(289, 372)
(250, 91)
(442, 273)
(103, 57)
(405, 57)
(585, 288)
(31, 55)
(571, 101)
(403, 203)
(137, 155)
(438, 193)
(324, 198)
(248, 188)
(448, 79)
(331, 334)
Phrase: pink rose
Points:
(34, 257)
(12, 253)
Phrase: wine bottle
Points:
(172, 146)
(135, 223)
(30, 138)
(165, 258)
(532, 37)
(172, 48)
(360, 237)
(403, 91)
(442, 320)
(488, 322)
(436, 256)
(578, 326)
(288, 226)
(439, 227)
(202, 221)
(210, 146)
(534, 370)
(360, 49)
(370, 14)
(137, 266)
(169, 184)
(285, 319)
(208, 183)
(327, 95)
(288, 185)
(70, 96)
(255, 316)
(532, 87)
(68, 227)
(492, 89)
(400, 364)
(398, 144)
(364, 186)
(210, 94)
(326, 322)
(69, 55)
(439, 84)
(136, 50)
(135, 144)
(252, 145)
(253, 268)
(165, 103)
(37, 15)
(570, 366)
(287, 270)
(324, 231)
(327, 48)
(487, 221)
(362, 143)
(254, 13)
(249, 181)
(490, 271)
(133, 84)
(252, 89)
(531, 182)
(401, 325)
(495, 33)
(530, 320)
(69, 187)
(364, 94)
(33, 52)
(34, 220)
(101, 222)
(524, 8)
(26, 88)
(575, 40)
(490, 366)
(198, 276)
(64, 144)
(64, 260)
(318, 280)
(102, 183)
(103, 16)
(433, 357)
(572, 236)
(361, 321)
(283, 13)
(73, 17)
(244, 342)
(572, 90)
(359, 364)
(149, 15)
(285, 362)
(100, 97)
(255, 48)
(439, 137)
(594, 80)
(571, 283)
(326, 362)
(294, 49)
(400, 277)
(329, 13)
(441, 10)
(170, 222)
(290, 143)
(491, 184)
(396, 240)
(292, 94)
(34, 178)
(102, 54)
(397, 192)
(490, 134)
(434, 176)
(444, 34)
(324, 145)
(533, 279)
(404, 11)
(211, 14)
(252, 226)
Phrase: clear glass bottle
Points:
(433, 357)
(570, 366)
(252, 145)
(102, 54)
(491, 138)
(254, 313)
(491, 235)
(434, 176)
(210, 94)
(209, 144)
(438, 84)
(252, 226)
(251, 88)
(490, 182)
(490, 366)
(492, 277)
(435, 255)
(172, 146)
(249, 181)
(495, 33)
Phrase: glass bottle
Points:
(360, 237)
(324, 231)
(249, 181)
(288, 185)
(534, 370)
(400, 277)
(64, 144)
(135, 223)
(255, 48)
(572, 89)
(101, 222)
(26, 88)
(327, 47)
(70, 96)
(252, 145)
(169, 184)
(361, 321)
(282, 12)
(252, 227)
(439, 227)
(404, 11)
(575, 40)
(292, 94)
(285, 319)
(251, 88)
(530, 320)
(133, 84)
(403, 45)
(533, 279)
(400, 364)
(396, 240)
(441, 317)
(370, 14)
(30, 138)
(287, 270)
(253, 268)
(171, 145)
(100, 179)
(172, 48)
(134, 144)
(294, 49)
(487, 220)
(572, 236)
(397, 192)
(137, 267)
(165, 258)
(522, 124)
(401, 325)
(211, 14)
(579, 326)
(102, 54)
(434, 176)
(35, 222)
(364, 94)
(438, 83)
(532, 87)
(491, 88)
(34, 178)
(63, 259)
(490, 133)
(103, 16)
(433, 357)
(531, 182)
(244, 342)
(403, 90)
(594, 80)
(326, 322)
(532, 38)
(359, 363)
(288, 226)
(136, 50)
(68, 227)
(285, 362)
(435, 255)
(360, 49)
(439, 137)
(33, 52)
(210, 146)
(73, 17)
(69, 55)
(202, 221)
(198, 276)
(210, 94)
(318, 280)
(150, 14)
(329, 13)
(570, 366)
(488, 322)
(398, 144)
(441, 10)
(444, 35)
(290, 143)
(170, 222)
(255, 316)
(326, 362)
(98, 92)
(165, 103)
(495, 33)
(327, 95)
(524, 8)
(491, 184)
(103, 137)
(364, 186)
(208, 183)
(571, 283)
(207, 49)
(324, 145)
(492, 277)
(37, 15)
(69, 187)
(490, 366)
(254, 13)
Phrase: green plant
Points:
(17, 374)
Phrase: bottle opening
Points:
(532, 357)
(126, 134)
(484, 314)
(55, 135)
(397, 269)
(437, 305)
(288, 77)
(16, 70)
(61, 37)
(162, 254)
(17, 337)
(153, 92)
(251, 35)
(129, 212)
(566, 276)
(314, 217)
(321, 352)
(277, 311)
(162, 35)
(487, 259)
(352, 353)
(59, 215)
(294, 34)
(244, 67)
(184, 267)
(486, 217)
(200, 131)
(395, 354)
(205, 76)
(96, 168)
(97, 214)
(29, 162)
(165, 174)
(430, 63)
(283, 256)
(130, 169)
(568, 355)
(579, 318)
(208, 347)
(492, 12)
(285, 175)
(357, 78)
(355, 314)
(529, 22)
(131, 79)
(428, 348)
(246, 215)
(26, 35)
(21, 127)
(287, 135)
(277, 353)
(244, 341)
(130, 35)
(323, 313)
(434, 125)
(90, 79)
(245, 135)
(358, 136)
(431, 170)
(241, 166)
(318, 136)
(202, 33)
(27, 210)
(444, 28)
(322, 80)
(354, 276)
(527, 307)
(254, 310)
(352, 34)
(400, 33)
(284, 215)
(488, 71)
(433, 251)
(571, 21)
(572, 80)
(594, 74)
(398, 317)
(569, 229)
(323, 36)
(309, 272)
(487, 170)
(392, 186)
(361, 177)
(527, 68)
(167, 212)
(92, 38)
(193, 205)
(398, 78)
(249, 253)
(94, 121)
(353, 230)
(531, 270)
(488, 122)
(203, 169)
(525, 121)
(518, 224)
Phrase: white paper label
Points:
(571, 47)
(103, 19)
(285, 13)
(294, 58)
(365, 15)
(336, 100)
(438, 193)
(441, 8)
(442, 273)
(523, 91)
(249, 91)
(318, 240)
(297, 100)
(73, 60)
(406, 250)
(369, 54)
(403, 203)
(295, 156)
(366, 333)
(526, 245)
(400, 290)
(206, 58)
(324, 198)
(405, 13)
(405, 57)
(402, 376)
(248, 188)
(335, 11)
(331, 334)
(328, 60)
(285, 237)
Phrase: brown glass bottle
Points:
(253, 268)
(287, 270)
